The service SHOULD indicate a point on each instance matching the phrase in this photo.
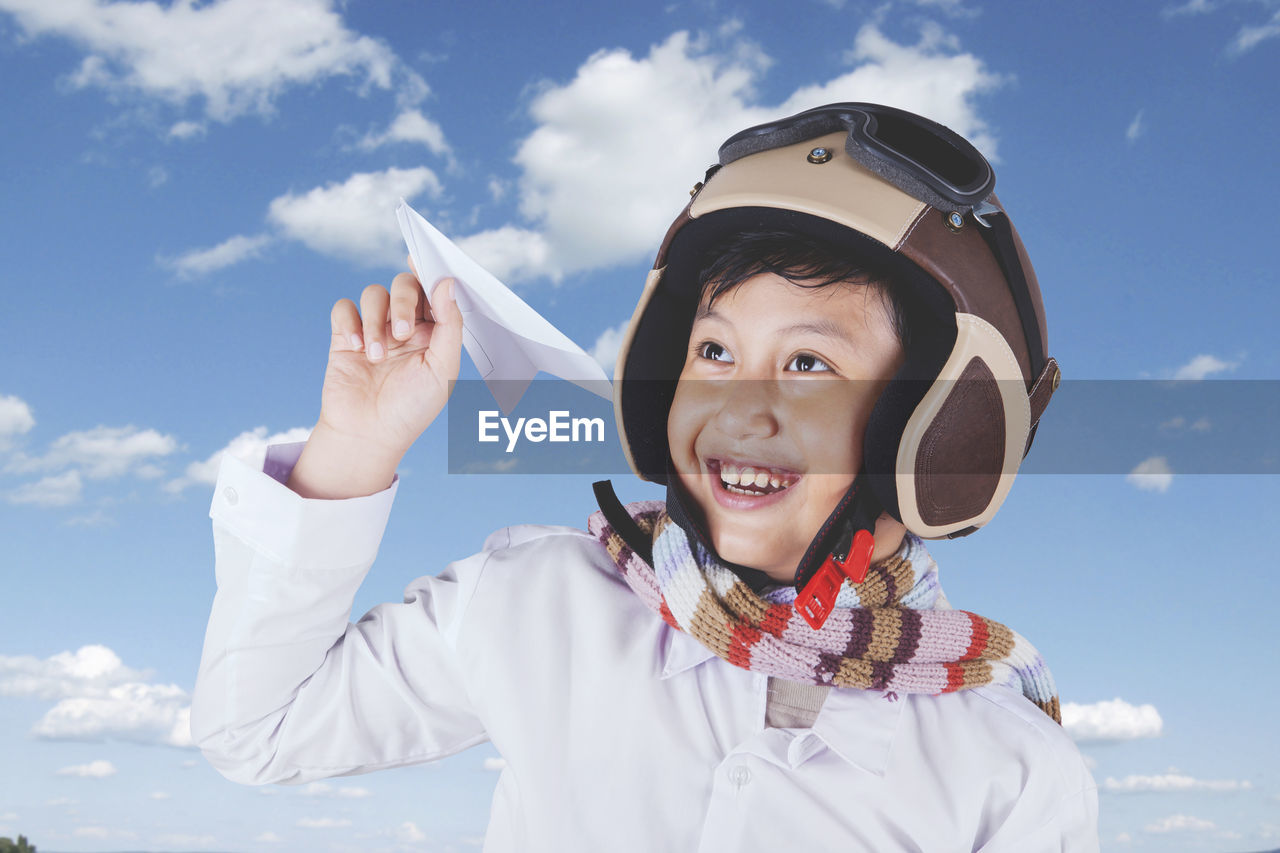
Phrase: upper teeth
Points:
(748, 475)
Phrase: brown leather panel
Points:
(961, 455)
(967, 262)
(683, 219)
(1033, 283)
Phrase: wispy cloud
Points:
(93, 770)
(410, 126)
(605, 349)
(1110, 720)
(346, 792)
(1251, 36)
(1151, 475)
(235, 56)
(1203, 366)
(250, 446)
(16, 419)
(1179, 823)
(100, 452)
(1169, 782)
(227, 253)
(52, 491)
(322, 822)
(1136, 128)
(1248, 36)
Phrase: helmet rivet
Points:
(695, 189)
(1057, 378)
(819, 155)
(955, 221)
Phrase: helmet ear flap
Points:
(962, 445)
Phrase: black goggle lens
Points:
(929, 150)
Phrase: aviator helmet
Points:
(915, 200)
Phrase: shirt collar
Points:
(857, 725)
(680, 652)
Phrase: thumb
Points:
(444, 352)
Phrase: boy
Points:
(840, 350)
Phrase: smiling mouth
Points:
(742, 478)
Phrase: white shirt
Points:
(619, 733)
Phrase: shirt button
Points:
(740, 775)
(231, 496)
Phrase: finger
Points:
(412, 268)
(373, 305)
(446, 336)
(407, 302)
(344, 321)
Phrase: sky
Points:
(188, 188)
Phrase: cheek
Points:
(684, 422)
(828, 429)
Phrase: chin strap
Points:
(842, 549)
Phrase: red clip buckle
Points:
(818, 598)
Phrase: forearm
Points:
(335, 466)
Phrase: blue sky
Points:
(188, 188)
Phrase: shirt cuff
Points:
(256, 507)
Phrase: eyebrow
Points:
(825, 326)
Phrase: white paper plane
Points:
(507, 340)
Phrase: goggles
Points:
(921, 157)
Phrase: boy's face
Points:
(778, 384)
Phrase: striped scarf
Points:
(894, 632)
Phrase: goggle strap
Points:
(998, 233)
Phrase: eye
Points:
(808, 363)
(712, 351)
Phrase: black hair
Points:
(801, 259)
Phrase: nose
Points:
(748, 408)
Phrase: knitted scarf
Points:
(894, 632)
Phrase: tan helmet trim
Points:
(785, 178)
(650, 286)
(976, 339)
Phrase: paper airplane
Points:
(507, 340)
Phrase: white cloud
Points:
(409, 126)
(227, 253)
(1171, 782)
(237, 56)
(322, 789)
(1250, 37)
(65, 674)
(142, 713)
(98, 697)
(1136, 128)
(1115, 719)
(54, 490)
(353, 219)
(605, 349)
(99, 452)
(492, 763)
(93, 770)
(251, 446)
(186, 129)
(1179, 823)
(183, 839)
(1191, 7)
(1151, 475)
(1202, 366)
(617, 148)
(268, 837)
(15, 418)
(408, 833)
(157, 176)
(322, 822)
(511, 253)
(161, 795)
(91, 832)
